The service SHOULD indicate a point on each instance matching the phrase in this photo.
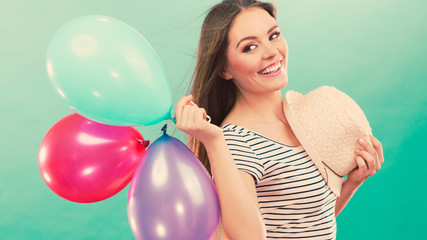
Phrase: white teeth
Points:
(272, 68)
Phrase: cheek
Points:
(284, 47)
(241, 66)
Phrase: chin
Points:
(283, 82)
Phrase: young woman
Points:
(241, 68)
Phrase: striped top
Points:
(294, 199)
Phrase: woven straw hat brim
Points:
(327, 123)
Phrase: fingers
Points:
(368, 153)
(180, 107)
(371, 152)
(189, 116)
(368, 159)
(193, 115)
(361, 164)
(367, 146)
(378, 147)
(200, 114)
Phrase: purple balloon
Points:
(171, 195)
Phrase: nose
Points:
(270, 51)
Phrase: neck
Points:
(259, 107)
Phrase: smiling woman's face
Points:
(257, 53)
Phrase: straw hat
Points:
(327, 123)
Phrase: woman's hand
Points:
(192, 120)
(369, 158)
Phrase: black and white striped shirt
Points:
(294, 199)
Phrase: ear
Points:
(226, 75)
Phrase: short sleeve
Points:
(245, 159)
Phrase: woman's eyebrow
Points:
(253, 37)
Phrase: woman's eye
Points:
(275, 35)
(249, 48)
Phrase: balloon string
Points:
(163, 131)
(167, 126)
(173, 133)
(147, 142)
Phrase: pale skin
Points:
(255, 43)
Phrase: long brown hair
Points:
(210, 91)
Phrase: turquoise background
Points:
(375, 51)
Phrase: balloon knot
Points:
(164, 128)
(144, 142)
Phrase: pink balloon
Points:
(85, 161)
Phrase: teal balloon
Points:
(107, 72)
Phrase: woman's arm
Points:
(347, 191)
(369, 158)
(241, 217)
